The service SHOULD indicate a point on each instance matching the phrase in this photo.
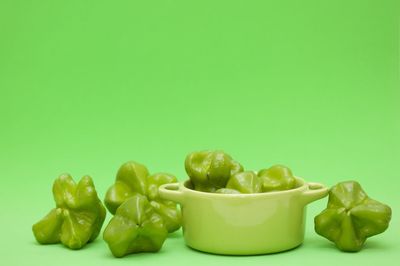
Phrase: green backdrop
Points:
(88, 85)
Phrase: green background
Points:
(88, 85)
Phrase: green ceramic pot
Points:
(243, 224)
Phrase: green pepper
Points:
(245, 182)
(351, 217)
(77, 218)
(210, 170)
(133, 179)
(276, 178)
(136, 227)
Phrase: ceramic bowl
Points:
(243, 224)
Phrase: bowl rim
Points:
(302, 186)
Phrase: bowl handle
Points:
(315, 191)
(171, 191)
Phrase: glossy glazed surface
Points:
(243, 224)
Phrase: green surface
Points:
(86, 86)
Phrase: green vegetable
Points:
(210, 170)
(245, 182)
(277, 177)
(77, 218)
(136, 227)
(351, 217)
(133, 179)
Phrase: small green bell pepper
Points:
(245, 182)
(210, 170)
(136, 227)
(351, 217)
(77, 218)
(132, 179)
(276, 178)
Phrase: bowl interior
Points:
(299, 183)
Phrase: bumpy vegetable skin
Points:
(133, 179)
(77, 218)
(210, 170)
(277, 178)
(351, 217)
(245, 182)
(136, 227)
